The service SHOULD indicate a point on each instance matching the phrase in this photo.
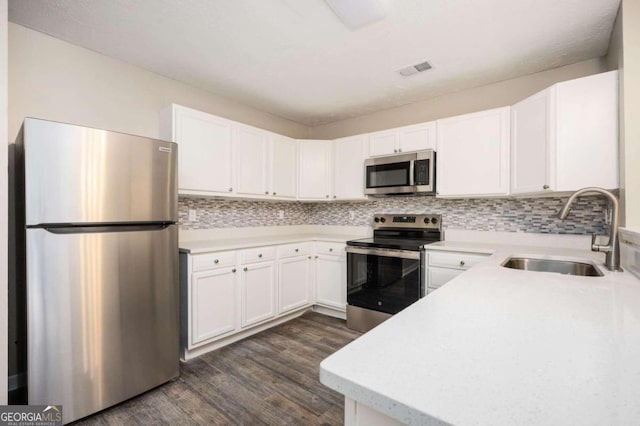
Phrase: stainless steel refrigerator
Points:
(101, 245)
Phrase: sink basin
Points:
(566, 267)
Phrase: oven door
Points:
(384, 280)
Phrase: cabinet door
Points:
(314, 170)
(383, 143)
(437, 277)
(531, 134)
(213, 304)
(473, 154)
(417, 138)
(348, 168)
(258, 292)
(205, 151)
(284, 167)
(587, 132)
(294, 283)
(331, 281)
(251, 161)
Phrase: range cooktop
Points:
(402, 232)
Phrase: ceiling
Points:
(296, 59)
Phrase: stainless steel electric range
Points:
(386, 273)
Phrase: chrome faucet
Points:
(612, 248)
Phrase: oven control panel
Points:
(415, 221)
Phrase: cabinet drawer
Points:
(258, 254)
(324, 247)
(439, 277)
(202, 262)
(461, 261)
(296, 249)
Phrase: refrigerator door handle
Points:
(95, 229)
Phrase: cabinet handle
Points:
(462, 263)
(330, 249)
(316, 257)
(399, 149)
(274, 193)
(245, 269)
(395, 150)
(266, 192)
(297, 250)
(216, 261)
(233, 270)
(545, 186)
(260, 255)
(309, 257)
(230, 189)
(326, 196)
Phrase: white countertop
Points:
(497, 346)
(211, 240)
(204, 246)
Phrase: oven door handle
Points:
(402, 254)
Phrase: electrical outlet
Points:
(280, 214)
(352, 215)
(193, 215)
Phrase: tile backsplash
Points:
(496, 214)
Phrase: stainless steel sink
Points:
(566, 267)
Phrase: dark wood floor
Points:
(270, 378)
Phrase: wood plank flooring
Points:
(270, 378)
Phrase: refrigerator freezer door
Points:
(77, 174)
(103, 316)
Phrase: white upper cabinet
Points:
(473, 154)
(284, 167)
(314, 169)
(566, 137)
(205, 150)
(383, 143)
(348, 167)
(252, 161)
(530, 139)
(417, 137)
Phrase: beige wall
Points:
(485, 97)
(630, 121)
(3, 202)
(613, 59)
(52, 79)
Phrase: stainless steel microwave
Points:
(405, 174)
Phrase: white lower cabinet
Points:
(229, 295)
(442, 267)
(213, 304)
(331, 275)
(331, 281)
(294, 283)
(437, 277)
(258, 284)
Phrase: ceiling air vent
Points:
(415, 69)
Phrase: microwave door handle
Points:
(412, 180)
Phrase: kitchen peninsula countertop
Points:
(497, 346)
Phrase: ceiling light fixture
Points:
(415, 69)
(358, 13)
